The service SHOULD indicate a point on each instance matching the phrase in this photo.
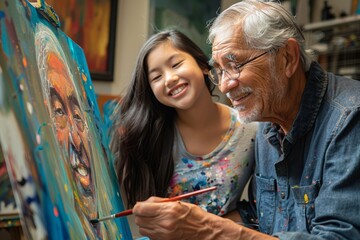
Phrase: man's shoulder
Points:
(343, 91)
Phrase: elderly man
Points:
(307, 147)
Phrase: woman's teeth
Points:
(178, 90)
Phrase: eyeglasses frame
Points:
(237, 66)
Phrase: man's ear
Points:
(292, 55)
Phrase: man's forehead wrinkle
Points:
(227, 57)
(228, 49)
(231, 57)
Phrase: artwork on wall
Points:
(355, 7)
(91, 24)
(189, 16)
(52, 136)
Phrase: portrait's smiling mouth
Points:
(81, 171)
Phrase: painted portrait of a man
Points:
(52, 134)
(63, 104)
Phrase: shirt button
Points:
(282, 195)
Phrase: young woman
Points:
(171, 138)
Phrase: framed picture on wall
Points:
(355, 7)
(92, 25)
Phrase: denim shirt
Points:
(308, 181)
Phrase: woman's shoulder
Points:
(238, 129)
(234, 114)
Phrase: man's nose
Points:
(228, 85)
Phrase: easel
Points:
(47, 11)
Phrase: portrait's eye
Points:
(59, 112)
(60, 118)
(78, 119)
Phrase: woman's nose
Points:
(171, 78)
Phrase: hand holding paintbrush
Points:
(177, 198)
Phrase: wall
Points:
(131, 33)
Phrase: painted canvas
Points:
(9, 212)
(51, 134)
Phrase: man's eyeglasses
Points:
(232, 70)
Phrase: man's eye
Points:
(232, 66)
(219, 71)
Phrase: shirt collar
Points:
(310, 104)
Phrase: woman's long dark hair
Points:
(144, 129)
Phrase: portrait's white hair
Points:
(46, 42)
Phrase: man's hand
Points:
(172, 220)
(179, 220)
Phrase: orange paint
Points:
(56, 212)
(206, 164)
(84, 77)
(24, 61)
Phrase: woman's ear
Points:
(205, 71)
(292, 55)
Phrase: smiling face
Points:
(256, 88)
(175, 77)
(71, 130)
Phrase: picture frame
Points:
(83, 22)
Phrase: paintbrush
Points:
(177, 198)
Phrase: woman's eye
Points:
(177, 64)
(156, 78)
